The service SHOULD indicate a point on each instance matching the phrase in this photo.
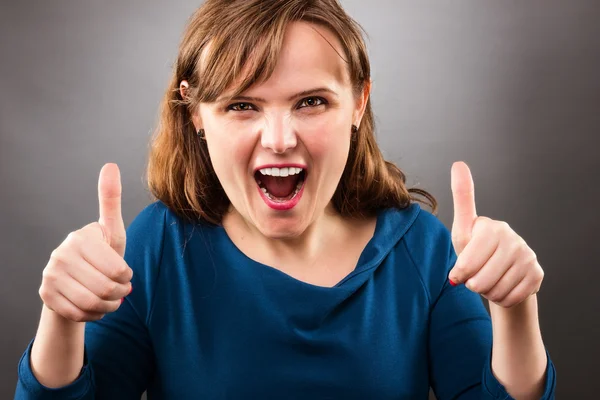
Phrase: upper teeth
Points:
(280, 171)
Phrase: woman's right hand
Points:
(86, 276)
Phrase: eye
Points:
(240, 107)
(312, 102)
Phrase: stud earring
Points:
(354, 129)
(200, 132)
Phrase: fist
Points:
(493, 260)
(86, 275)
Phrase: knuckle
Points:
(91, 304)
(503, 225)
(518, 246)
(472, 285)
(120, 270)
(73, 237)
(57, 257)
(542, 273)
(500, 227)
(460, 269)
(539, 274)
(49, 278)
(533, 258)
(115, 305)
(45, 294)
(77, 315)
(514, 302)
(459, 266)
(504, 304)
(483, 287)
(108, 290)
(128, 273)
(494, 296)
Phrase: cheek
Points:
(229, 153)
(328, 140)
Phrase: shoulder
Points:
(150, 216)
(158, 232)
(428, 245)
(155, 221)
(155, 238)
(414, 224)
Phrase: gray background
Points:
(511, 87)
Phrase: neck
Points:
(305, 247)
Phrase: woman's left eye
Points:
(312, 102)
(240, 107)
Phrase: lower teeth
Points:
(298, 187)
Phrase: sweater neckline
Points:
(391, 224)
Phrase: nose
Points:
(278, 135)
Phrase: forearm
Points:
(518, 355)
(57, 351)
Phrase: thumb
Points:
(109, 196)
(465, 213)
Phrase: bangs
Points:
(240, 55)
(235, 67)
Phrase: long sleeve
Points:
(118, 356)
(460, 344)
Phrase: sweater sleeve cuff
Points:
(81, 388)
(496, 391)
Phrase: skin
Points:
(312, 130)
(494, 261)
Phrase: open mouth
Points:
(280, 185)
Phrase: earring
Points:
(354, 129)
(200, 132)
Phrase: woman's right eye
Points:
(240, 107)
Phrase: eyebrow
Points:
(260, 99)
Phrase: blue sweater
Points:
(204, 321)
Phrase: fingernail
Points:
(122, 300)
(451, 282)
(131, 289)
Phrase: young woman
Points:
(283, 258)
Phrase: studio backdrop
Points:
(510, 87)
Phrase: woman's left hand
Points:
(492, 259)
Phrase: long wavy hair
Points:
(224, 38)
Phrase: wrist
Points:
(527, 310)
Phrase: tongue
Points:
(279, 186)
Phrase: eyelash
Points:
(321, 99)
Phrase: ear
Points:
(183, 87)
(361, 103)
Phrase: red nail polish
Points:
(122, 300)
(452, 283)
(131, 289)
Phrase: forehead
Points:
(311, 50)
(310, 56)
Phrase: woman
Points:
(284, 257)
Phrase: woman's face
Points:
(298, 123)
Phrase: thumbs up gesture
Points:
(86, 276)
(492, 259)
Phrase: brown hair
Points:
(247, 35)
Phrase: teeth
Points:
(293, 195)
(296, 190)
(286, 171)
